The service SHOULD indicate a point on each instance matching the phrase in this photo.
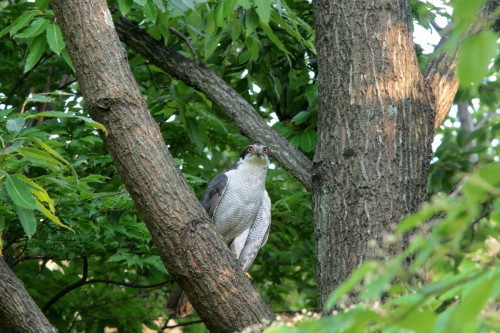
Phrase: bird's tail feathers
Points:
(178, 303)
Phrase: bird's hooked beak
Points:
(258, 151)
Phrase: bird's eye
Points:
(265, 150)
(249, 149)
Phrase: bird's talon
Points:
(248, 276)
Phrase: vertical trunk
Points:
(375, 128)
(188, 243)
(467, 126)
(18, 311)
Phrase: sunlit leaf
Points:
(21, 22)
(476, 55)
(37, 27)
(263, 10)
(55, 38)
(15, 125)
(125, 6)
(19, 192)
(150, 11)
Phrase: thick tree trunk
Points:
(18, 311)
(188, 243)
(375, 130)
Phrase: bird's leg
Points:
(248, 276)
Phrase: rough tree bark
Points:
(188, 243)
(18, 311)
(375, 129)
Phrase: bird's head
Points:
(256, 153)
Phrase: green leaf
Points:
(306, 140)
(36, 50)
(36, 28)
(188, 3)
(21, 22)
(474, 299)
(253, 46)
(245, 4)
(125, 6)
(418, 321)
(476, 55)
(55, 38)
(60, 114)
(19, 192)
(273, 37)
(251, 22)
(211, 44)
(219, 15)
(140, 2)
(150, 11)
(42, 4)
(15, 125)
(41, 98)
(300, 117)
(39, 156)
(92, 123)
(351, 282)
(38, 191)
(27, 219)
(51, 216)
(51, 151)
(263, 10)
(67, 59)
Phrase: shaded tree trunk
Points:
(18, 311)
(192, 250)
(375, 129)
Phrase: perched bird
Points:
(238, 203)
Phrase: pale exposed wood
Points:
(440, 74)
(187, 241)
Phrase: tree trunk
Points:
(18, 311)
(192, 250)
(375, 129)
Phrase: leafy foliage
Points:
(450, 284)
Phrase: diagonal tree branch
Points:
(202, 78)
(187, 240)
(18, 311)
(440, 72)
(77, 284)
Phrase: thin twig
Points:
(436, 27)
(166, 326)
(83, 281)
(184, 324)
(131, 285)
(188, 43)
(151, 76)
(69, 288)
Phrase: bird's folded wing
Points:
(214, 193)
